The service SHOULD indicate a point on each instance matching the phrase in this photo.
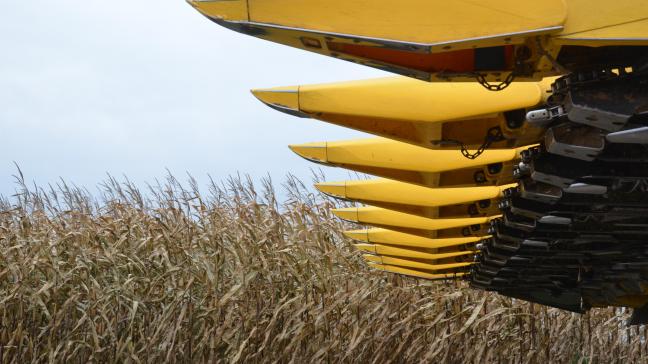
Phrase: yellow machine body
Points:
(417, 39)
(448, 151)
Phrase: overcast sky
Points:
(135, 87)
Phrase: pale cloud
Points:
(135, 87)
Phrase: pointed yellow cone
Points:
(408, 163)
(402, 99)
(416, 273)
(333, 189)
(390, 237)
(383, 217)
(385, 153)
(284, 99)
(228, 10)
(314, 152)
(409, 253)
(348, 214)
(394, 192)
(414, 112)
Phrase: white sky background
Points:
(135, 87)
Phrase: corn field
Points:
(231, 274)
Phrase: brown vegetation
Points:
(235, 276)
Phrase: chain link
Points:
(494, 135)
(495, 87)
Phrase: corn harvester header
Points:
(511, 149)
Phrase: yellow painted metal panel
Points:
(230, 10)
(370, 32)
(599, 22)
(419, 21)
(422, 42)
(632, 34)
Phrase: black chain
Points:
(519, 69)
(495, 87)
(494, 135)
